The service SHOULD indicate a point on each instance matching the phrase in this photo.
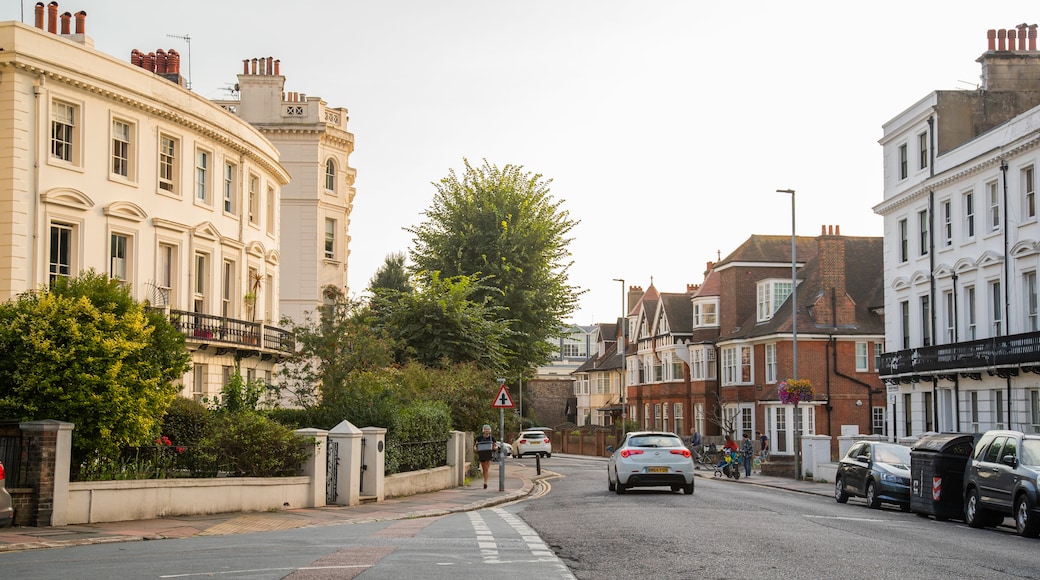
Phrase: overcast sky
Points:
(666, 126)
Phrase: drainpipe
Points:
(956, 376)
(870, 390)
(931, 301)
(1007, 299)
(36, 146)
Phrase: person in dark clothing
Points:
(484, 445)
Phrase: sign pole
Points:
(501, 455)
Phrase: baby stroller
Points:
(729, 465)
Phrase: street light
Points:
(621, 349)
(794, 337)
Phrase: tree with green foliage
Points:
(444, 322)
(337, 341)
(503, 224)
(83, 351)
(392, 275)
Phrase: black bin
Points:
(937, 463)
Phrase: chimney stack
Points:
(52, 18)
(40, 9)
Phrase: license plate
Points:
(536, 442)
(657, 470)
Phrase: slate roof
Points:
(770, 249)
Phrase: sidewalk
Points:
(521, 481)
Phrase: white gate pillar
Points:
(348, 468)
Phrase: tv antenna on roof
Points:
(187, 39)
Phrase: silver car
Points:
(650, 459)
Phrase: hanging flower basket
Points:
(792, 392)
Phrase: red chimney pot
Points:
(1002, 39)
(40, 8)
(81, 22)
(277, 68)
(52, 18)
(66, 22)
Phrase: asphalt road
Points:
(735, 530)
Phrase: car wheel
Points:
(548, 455)
(676, 488)
(1026, 524)
(904, 507)
(974, 515)
(688, 489)
(872, 497)
(618, 486)
(839, 491)
(610, 484)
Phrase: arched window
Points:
(330, 175)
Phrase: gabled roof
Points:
(678, 310)
(770, 249)
(610, 361)
(864, 285)
(712, 285)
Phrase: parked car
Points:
(6, 507)
(1001, 480)
(879, 472)
(532, 442)
(650, 459)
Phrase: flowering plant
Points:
(794, 391)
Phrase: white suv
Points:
(532, 442)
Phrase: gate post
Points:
(316, 464)
(49, 446)
(457, 457)
(374, 458)
(348, 470)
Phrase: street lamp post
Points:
(621, 347)
(794, 337)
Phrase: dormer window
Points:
(771, 295)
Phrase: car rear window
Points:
(655, 441)
(534, 435)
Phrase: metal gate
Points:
(331, 470)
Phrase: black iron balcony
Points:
(988, 354)
(232, 333)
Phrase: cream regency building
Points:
(112, 164)
(315, 148)
(962, 250)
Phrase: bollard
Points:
(538, 464)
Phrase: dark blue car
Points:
(879, 472)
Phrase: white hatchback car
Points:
(532, 442)
(650, 459)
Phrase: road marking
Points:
(489, 547)
(847, 519)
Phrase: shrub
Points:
(417, 435)
(251, 445)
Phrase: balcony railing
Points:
(1017, 350)
(232, 332)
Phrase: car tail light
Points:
(627, 452)
(683, 452)
(546, 439)
(1, 471)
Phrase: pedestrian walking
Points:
(763, 443)
(696, 445)
(748, 449)
(485, 445)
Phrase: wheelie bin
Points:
(937, 463)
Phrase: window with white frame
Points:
(330, 175)
(922, 228)
(1029, 291)
(736, 365)
(1028, 193)
(904, 317)
(330, 239)
(603, 384)
(947, 218)
(879, 349)
(227, 288)
(970, 319)
(168, 163)
(929, 410)
(198, 381)
(903, 162)
(201, 284)
(996, 312)
(709, 370)
(705, 313)
(904, 240)
(646, 416)
(230, 171)
(969, 215)
(926, 321)
(1034, 411)
(254, 199)
(878, 421)
(922, 149)
(908, 414)
(747, 421)
(770, 362)
(771, 295)
(993, 213)
(121, 148)
(61, 251)
(119, 254)
(973, 411)
(948, 317)
(167, 274)
(999, 416)
(64, 127)
(861, 357)
(202, 175)
(677, 417)
(676, 368)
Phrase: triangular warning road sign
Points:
(503, 400)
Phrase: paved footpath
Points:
(522, 480)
